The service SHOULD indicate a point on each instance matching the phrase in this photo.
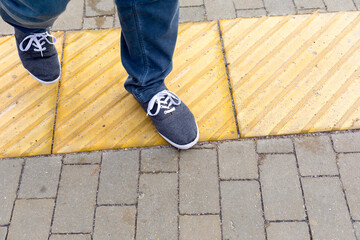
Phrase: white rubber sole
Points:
(187, 146)
(42, 81)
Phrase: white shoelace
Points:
(37, 40)
(164, 100)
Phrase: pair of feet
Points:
(171, 117)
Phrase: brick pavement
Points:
(302, 186)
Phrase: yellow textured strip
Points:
(95, 112)
(27, 109)
(295, 79)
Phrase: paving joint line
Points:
(260, 190)
(219, 188)
(83, 164)
(56, 197)
(238, 180)
(302, 190)
(96, 198)
(178, 194)
(137, 197)
(199, 214)
(58, 94)
(321, 176)
(116, 205)
(228, 79)
(157, 172)
(288, 221)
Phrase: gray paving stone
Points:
(346, 142)
(315, 156)
(71, 237)
(74, 212)
(275, 145)
(194, 14)
(159, 160)
(158, 207)
(357, 229)
(40, 178)
(72, 18)
(98, 22)
(238, 160)
(9, 180)
(281, 188)
(119, 177)
(199, 189)
(113, 223)
(190, 3)
(31, 220)
(246, 4)
(279, 7)
(200, 227)
(219, 9)
(326, 206)
(241, 210)
(304, 4)
(99, 8)
(357, 3)
(310, 11)
(251, 13)
(336, 5)
(5, 29)
(283, 230)
(3, 232)
(81, 158)
(349, 165)
(116, 20)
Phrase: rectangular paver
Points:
(158, 207)
(71, 237)
(280, 7)
(275, 145)
(238, 160)
(349, 165)
(83, 158)
(194, 14)
(114, 223)
(9, 180)
(251, 13)
(283, 230)
(219, 9)
(346, 142)
(159, 160)
(31, 220)
(72, 18)
(189, 3)
(246, 4)
(3, 232)
(74, 212)
(281, 188)
(199, 190)
(200, 227)
(40, 178)
(241, 210)
(326, 206)
(316, 156)
(119, 178)
(343, 5)
(99, 8)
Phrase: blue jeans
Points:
(149, 31)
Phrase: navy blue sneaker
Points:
(173, 119)
(38, 55)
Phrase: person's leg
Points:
(149, 32)
(32, 20)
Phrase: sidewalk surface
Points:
(299, 186)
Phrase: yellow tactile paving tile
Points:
(27, 108)
(294, 74)
(95, 111)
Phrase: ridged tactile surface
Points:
(95, 111)
(27, 109)
(294, 74)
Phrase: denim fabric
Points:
(149, 32)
